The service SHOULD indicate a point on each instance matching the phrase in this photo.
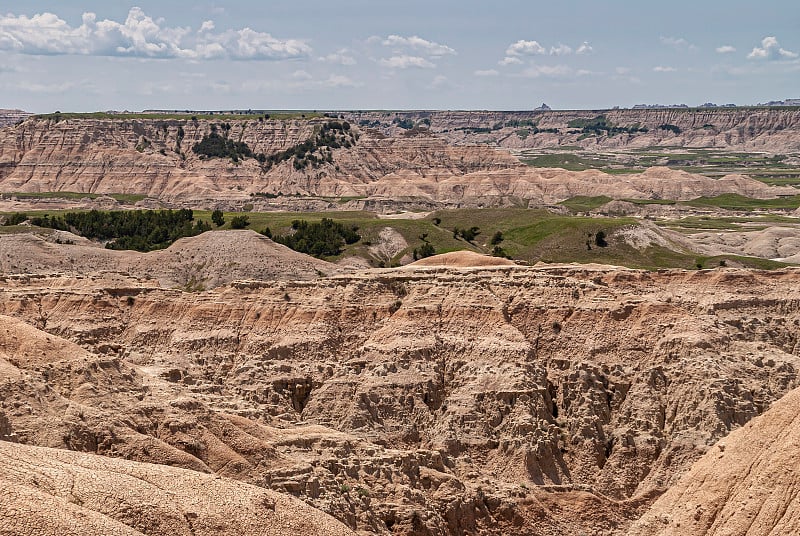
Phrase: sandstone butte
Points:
(386, 168)
(445, 398)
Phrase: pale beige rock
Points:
(412, 170)
(463, 259)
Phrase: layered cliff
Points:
(384, 167)
(772, 130)
(425, 400)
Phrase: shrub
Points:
(240, 222)
(425, 250)
(600, 239)
(215, 146)
(16, 218)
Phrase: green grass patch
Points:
(529, 235)
(739, 202)
(584, 203)
(73, 196)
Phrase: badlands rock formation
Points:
(746, 484)
(419, 168)
(424, 400)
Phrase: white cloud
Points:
(488, 72)
(664, 69)
(726, 49)
(140, 36)
(509, 60)
(417, 43)
(406, 62)
(440, 82)
(525, 48)
(337, 80)
(560, 50)
(675, 42)
(771, 49)
(341, 57)
(301, 75)
(548, 71)
(585, 48)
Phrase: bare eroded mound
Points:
(463, 259)
(747, 484)
(205, 261)
(55, 492)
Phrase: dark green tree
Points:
(218, 218)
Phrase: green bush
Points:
(215, 146)
(240, 222)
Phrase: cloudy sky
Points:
(87, 55)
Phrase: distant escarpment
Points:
(443, 159)
(9, 117)
(751, 129)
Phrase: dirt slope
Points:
(747, 484)
(55, 492)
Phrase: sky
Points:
(91, 55)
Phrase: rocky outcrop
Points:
(426, 400)
(155, 158)
(746, 484)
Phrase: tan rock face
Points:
(427, 400)
(421, 170)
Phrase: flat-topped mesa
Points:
(773, 130)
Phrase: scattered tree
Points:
(218, 218)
